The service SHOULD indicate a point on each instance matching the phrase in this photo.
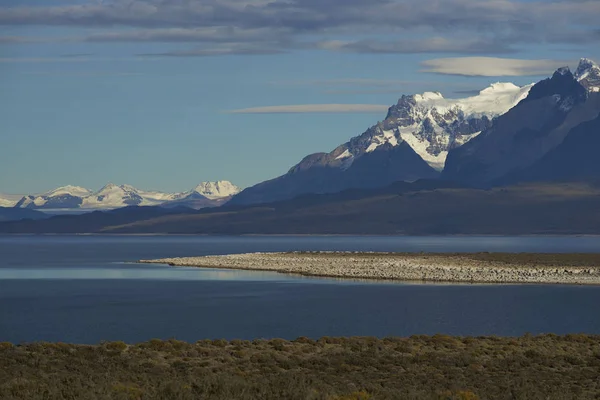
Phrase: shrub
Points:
(118, 346)
(6, 346)
(360, 395)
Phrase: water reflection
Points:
(164, 273)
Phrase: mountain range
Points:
(481, 140)
(111, 196)
(510, 160)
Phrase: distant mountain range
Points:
(424, 207)
(111, 196)
(484, 140)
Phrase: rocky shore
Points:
(472, 267)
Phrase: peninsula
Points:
(532, 268)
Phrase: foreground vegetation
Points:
(419, 367)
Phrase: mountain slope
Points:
(15, 214)
(411, 143)
(574, 160)
(88, 222)
(526, 133)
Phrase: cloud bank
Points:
(462, 27)
(490, 66)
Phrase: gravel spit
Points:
(395, 266)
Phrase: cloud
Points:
(313, 108)
(13, 39)
(427, 45)
(73, 74)
(222, 51)
(490, 66)
(469, 27)
(36, 60)
(211, 34)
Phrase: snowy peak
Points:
(113, 196)
(429, 123)
(216, 190)
(588, 74)
(68, 190)
(432, 125)
(9, 200)
(428, 96)
(499, 87)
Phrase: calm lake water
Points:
(86, 289)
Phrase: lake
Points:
(85, 289)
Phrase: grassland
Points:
(419, 367)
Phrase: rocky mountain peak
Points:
(588, 74)
(563, 71)
(562, 86)
(432, 125)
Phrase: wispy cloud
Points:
(222, 51)
(427, 45)
(313, 108)
(491, 66)
(218, 34)
(36, 60)
(78, 74)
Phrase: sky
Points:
(164, 94)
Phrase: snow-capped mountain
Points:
(115, 196)
(432, 125)
(417, 134)
(588, 74)
(62, 197)
(411, 143)
(216, 190)
(9, 200)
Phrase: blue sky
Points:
(163, 94)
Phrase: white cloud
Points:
(491, 66)
(313, 108)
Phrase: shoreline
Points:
(484, 268)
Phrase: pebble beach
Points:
(398, 266)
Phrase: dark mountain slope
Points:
(575, 159)
(14, 214)
(534, 209)
(526, 133)
(90, 222)
(318, 174)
